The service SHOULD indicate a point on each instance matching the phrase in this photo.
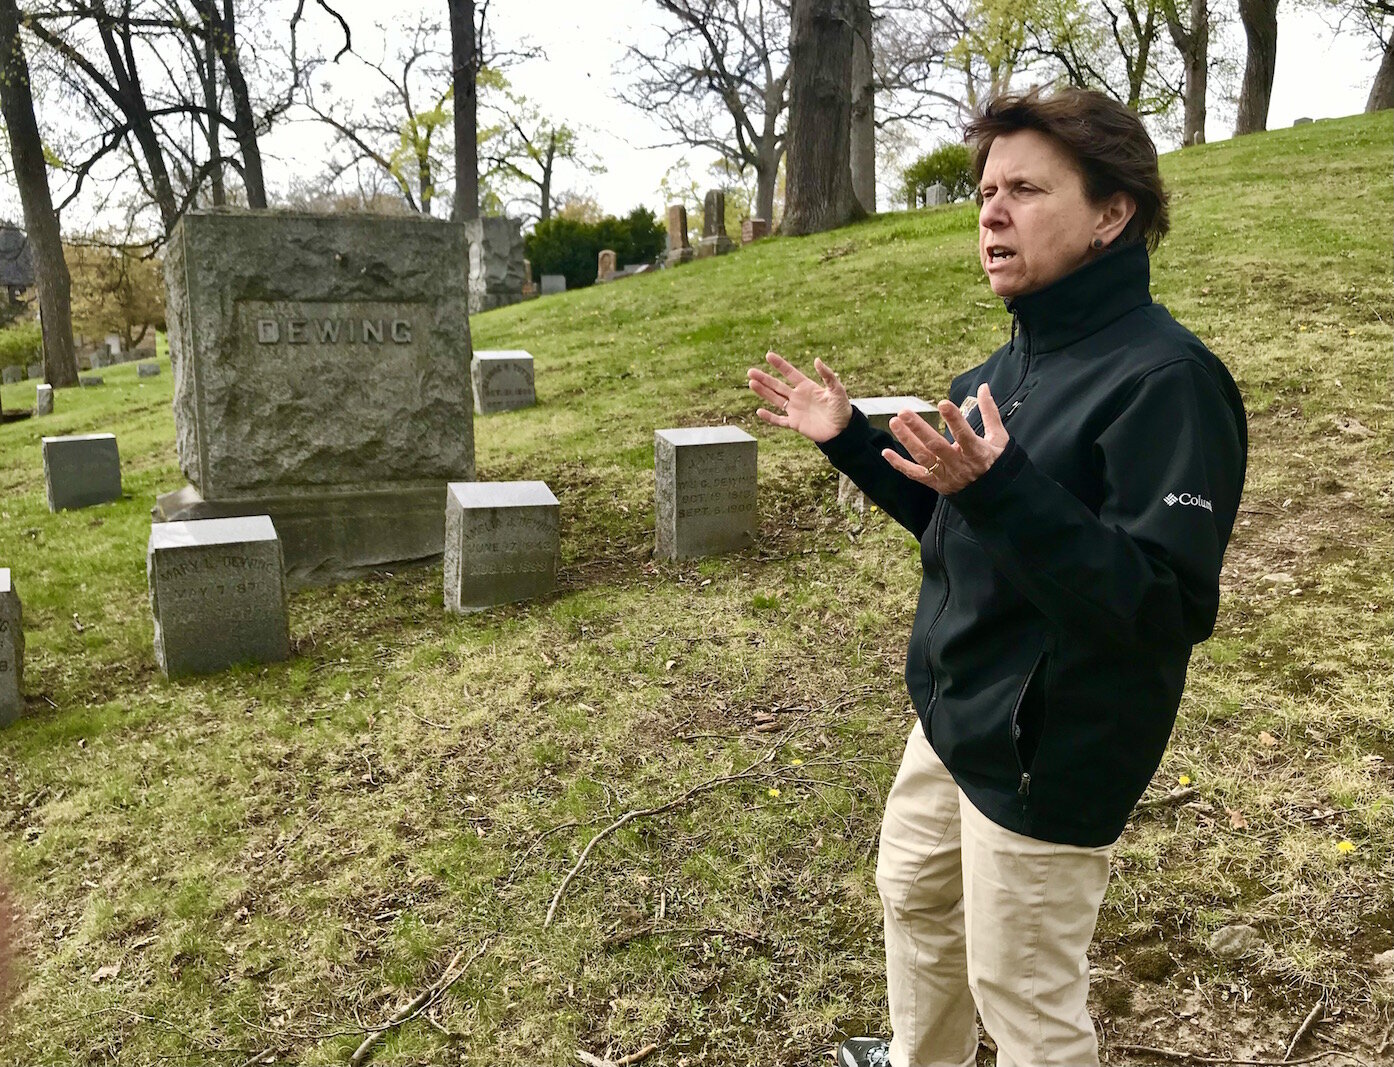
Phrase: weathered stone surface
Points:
(81, 470)
(147, 370)
(217, 593)
(715, 241)
(502, 380)
(495, 262)
(879, 410)
(704, 491)
(320, 377)
(99, 358)
(11, 651)
(91, 380)
(43, 400)
(12, 374)
(679, 250)
(502, 543)
(754, 229)
(553, 283)
(937, 194)
(605, 266)
(36, 370)
(1235, 942)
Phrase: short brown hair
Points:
(1107, 141)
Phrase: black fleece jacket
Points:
(1063, 590)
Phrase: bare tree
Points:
(522, 149)
(40, 220)
(819, 192)
(464, 75)
(1260, 18)
(720, 82)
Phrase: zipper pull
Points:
(1008, 413)
(1025, 786)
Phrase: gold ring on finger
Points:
(930, 473)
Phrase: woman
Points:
(1071, 523)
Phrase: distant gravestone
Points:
(91, 380)
(502, 543)
(679, 250)
(879, 410)
(217, 593)
(553, 283)
(937, 195)
(605, 267)
(502, 380)
(12, 374)
(754, 229)
(704, 491)
(715, 241)
(11, 651)
(147, 370)
(1302, 122)
(81, 470)
(495, 262)
(43, 400)
(36, 370)
(529, 286)
(113, 345)
(321, 377)
(99, 358)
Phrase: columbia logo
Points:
(1188, 500)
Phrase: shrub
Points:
(20, 344)
(949, 164)
(571, 247)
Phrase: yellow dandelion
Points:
(796, 763)
(1345, 848)
(1185, 779)
(773, 791)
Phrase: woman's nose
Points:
(992, 214)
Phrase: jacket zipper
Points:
(1024, 788)
(940, 521)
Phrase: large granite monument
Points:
(704, 491)
(218, 594)
(715, 240)
(502, 543)
(321, 377)
(11, 651)
(495, 261)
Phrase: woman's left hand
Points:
(943, 465)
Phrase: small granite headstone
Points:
(605, 268)
(218, 594)
(147, 370)
(12, 374)
(553, 283)
(502, 380)
(43, 400)
(36, 370)
(502, 543)
(754, 229)
(704, 491)
(937, 195)
(1302, 122)
(11, 651)
(90, 380)
(679, 250)
(879, 410)
(81, 470)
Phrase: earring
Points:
(1097, 242)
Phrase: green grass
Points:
(277, 857)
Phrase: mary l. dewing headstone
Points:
(11, 651)
(218, 594)
(502, 542)
(321, 377)
(704, 491)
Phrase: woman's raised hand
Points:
(818, 411)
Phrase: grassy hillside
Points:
(274, 859)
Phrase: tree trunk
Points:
(818, 193)
(1382, 92)
(464, 55)
(863, 110)
(766, 178)
(244, 123)
(210, 101)
(1260, 19)
(544, 189)
(40, 220)
(1193, 43)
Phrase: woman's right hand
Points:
(819, 412)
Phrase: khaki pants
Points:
(981, 917)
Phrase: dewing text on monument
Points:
(321, 376)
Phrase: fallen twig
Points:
(1307, 1023)
(626, 1061)
(1193, 1057)
(1176, 796)
(420, 1003)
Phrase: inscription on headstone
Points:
(81, 470)
(502, 380)
(502, 543)
(704, 491)
(217, 593)
(879, 410)
(11, 651)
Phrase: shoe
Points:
(864, 1052)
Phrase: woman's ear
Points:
(1114, 215)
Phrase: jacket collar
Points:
(1085, 300)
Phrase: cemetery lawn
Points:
(273, 860)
